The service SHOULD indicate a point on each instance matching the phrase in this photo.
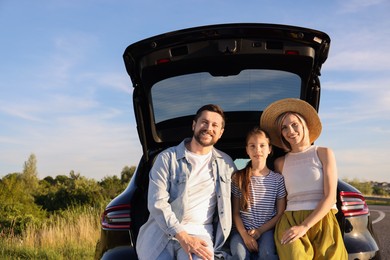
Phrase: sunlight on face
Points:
(258, 147)
(292, 129)
(208, 128)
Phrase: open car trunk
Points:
(241, 67)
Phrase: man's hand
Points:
(194, 245)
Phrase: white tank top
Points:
(304, 179)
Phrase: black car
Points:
(242, 68)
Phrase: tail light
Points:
(117, 217)
(291, 52)
(353, 204)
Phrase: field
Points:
(53, 218)
(72, 235)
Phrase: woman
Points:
(258, 201)
(308, 228)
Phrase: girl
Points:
(258, 201)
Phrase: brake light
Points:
(353, 204)
(291, 52)
(161, 61)
(117, 217)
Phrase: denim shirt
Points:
(168, 196)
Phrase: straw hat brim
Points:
(275, 109)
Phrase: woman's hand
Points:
(293, 233)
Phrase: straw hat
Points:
(275, 109)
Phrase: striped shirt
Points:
(264, 191)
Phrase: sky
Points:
(66, 98)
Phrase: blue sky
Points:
(65, 95)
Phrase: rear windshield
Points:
(251, 90)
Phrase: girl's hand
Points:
(254, 233)
(250, 243)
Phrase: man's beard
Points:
(198, 138)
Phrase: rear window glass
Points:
(251, 90)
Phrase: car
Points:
(242, 67)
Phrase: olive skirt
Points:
(322, 241)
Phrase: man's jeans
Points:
(173, 250)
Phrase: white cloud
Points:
(87, 144)
(114, 80)
(365, 85)
(38, 108)
(356, 101)
(360, 49)
(19, 111)
(360, 60)
(353, 6)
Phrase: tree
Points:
(65, 192)
(112, 186)
(30, 173)
(74, 175)
(379, 191)
(126, 174)
(62, 179)
(17, 207)
(363, 187)
(49, 180)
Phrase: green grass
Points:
(378, 202)
(71, 235)
(45, 253)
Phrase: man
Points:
(189, 195)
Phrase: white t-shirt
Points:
(202, 200)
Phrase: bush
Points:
(17, 207)
(53, 218)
